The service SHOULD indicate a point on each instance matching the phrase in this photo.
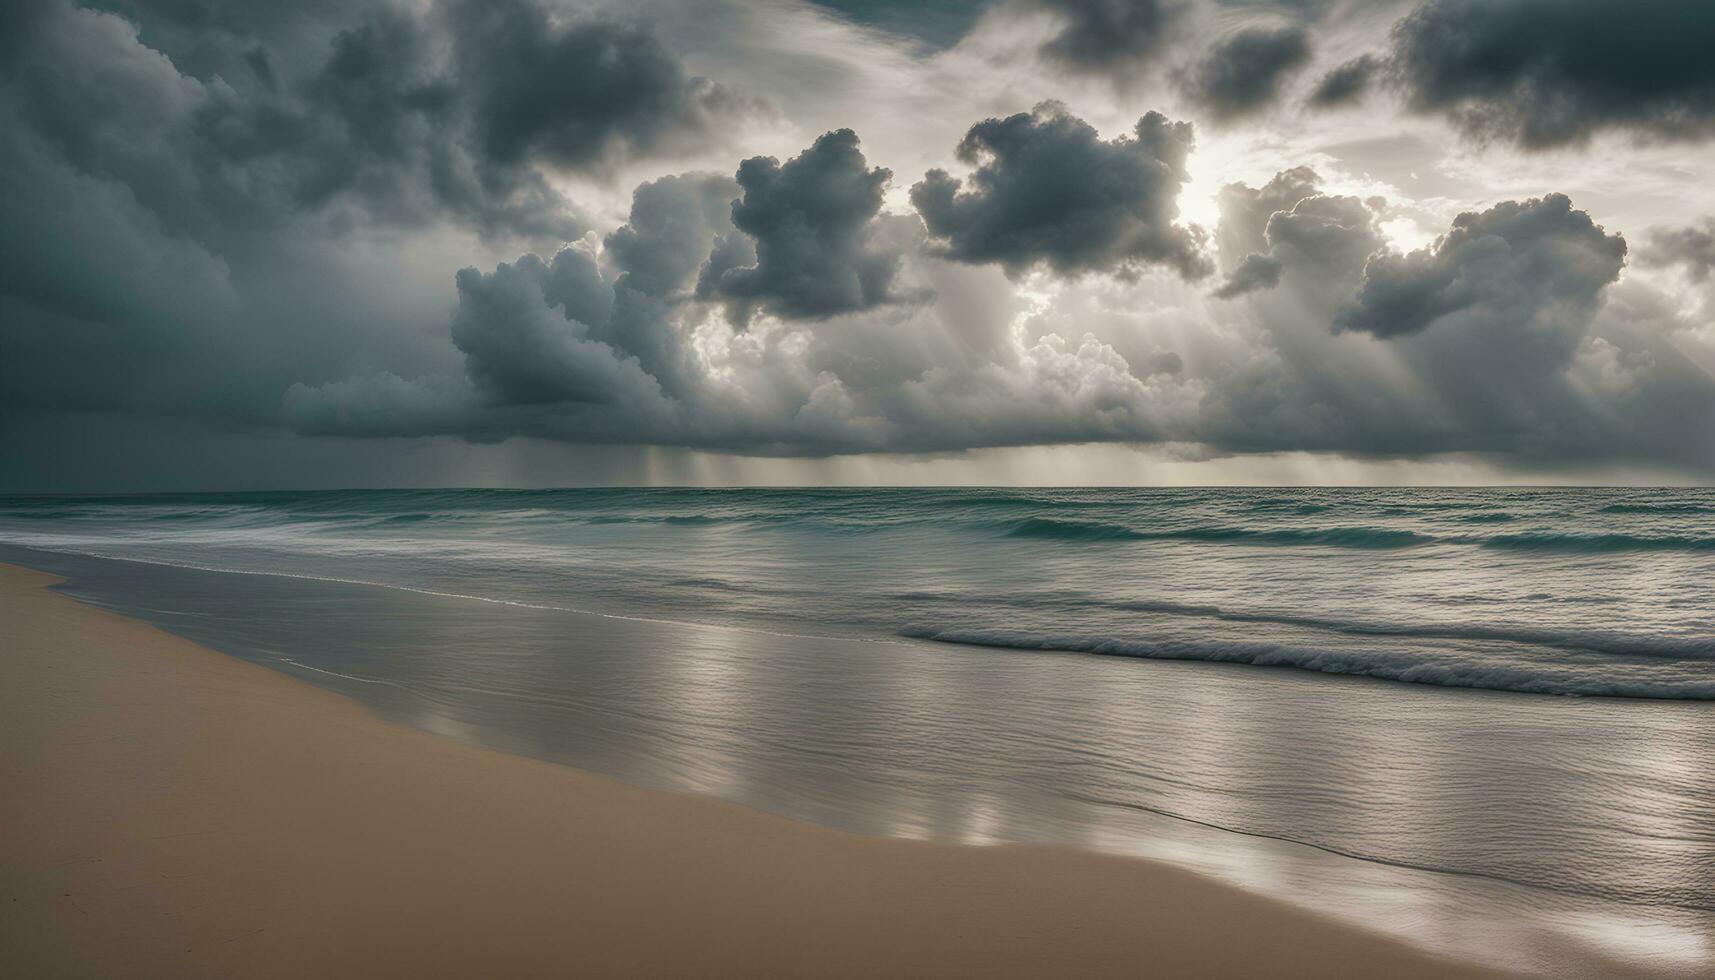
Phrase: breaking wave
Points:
(1361, 537)
(1696, 684)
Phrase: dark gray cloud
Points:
(1346, 83)
(1511, 336)
(811, 218)
(1692, 247)
(1515, 355)
(936, 23)
(678, 226)
(1108, 35)
(19, 22)
(192, 195)
(564, 332)
(1324, 235)
(363, 113)
(245, 216)
(1536, 267)
(1243, 74)
(1254, 271)
(1289, 227)
(574, 94)
(668, 235)
(1048, 189)
(525, 344)
(1245, 210)
(562, 347)
(1550, 72)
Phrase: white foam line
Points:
(335, 673)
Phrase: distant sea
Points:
(1480, 718)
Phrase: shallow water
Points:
(1595, 592)
(762, 646)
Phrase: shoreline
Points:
(172, 811)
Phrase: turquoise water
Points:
(1590, 592)
(1161, 673)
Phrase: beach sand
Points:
(168, 811)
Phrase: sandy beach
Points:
(169, 811)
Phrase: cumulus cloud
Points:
(1047, 189)
(524, 344)
(817, 252)
(1547, 73)
(1108, 35)
(1289, 227)
(1535, 267)
(1346, 83)
(406, 117)
(248, 216)
(1511, 351)
(194, 195)
(1243, 74)
(610, 344)
(1512, 335)
(1253, 272)
(1692, 247)
(573, 93)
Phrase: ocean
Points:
(1483, 719)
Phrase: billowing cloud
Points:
(573, 93)
(1504, 337)
(1047, 189)
(812, 221)
(1288, 226)
(400, 117)
(1108, 35)
(326, 221)
(1243, 74)
(1551, 72)
(1692, 247)
(1533, 268)
(192, 200)
(526, 334)
(1346, 83)
(1510, 351)
(1254, 271)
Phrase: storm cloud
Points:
(1536, 267)
(1108, 35)
(1243, 74)
(1692, 247)
(572, 94)
(811, 219)
(1289, 226)
(1346, 83)
(1546, 73)
(1047, 189)
(528, 220)
(193, 228)
(1254, 271)
(457, 113)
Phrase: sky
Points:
(339, 243)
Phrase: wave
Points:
(1670, 508)
(1383, 665)
(1612, 644)
(1286, 505)
(1374, 538)
(1588, 641)
(1055, 528)
(673, 520)
(1595, 543)
(1339, 537)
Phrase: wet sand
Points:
(169, 811)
